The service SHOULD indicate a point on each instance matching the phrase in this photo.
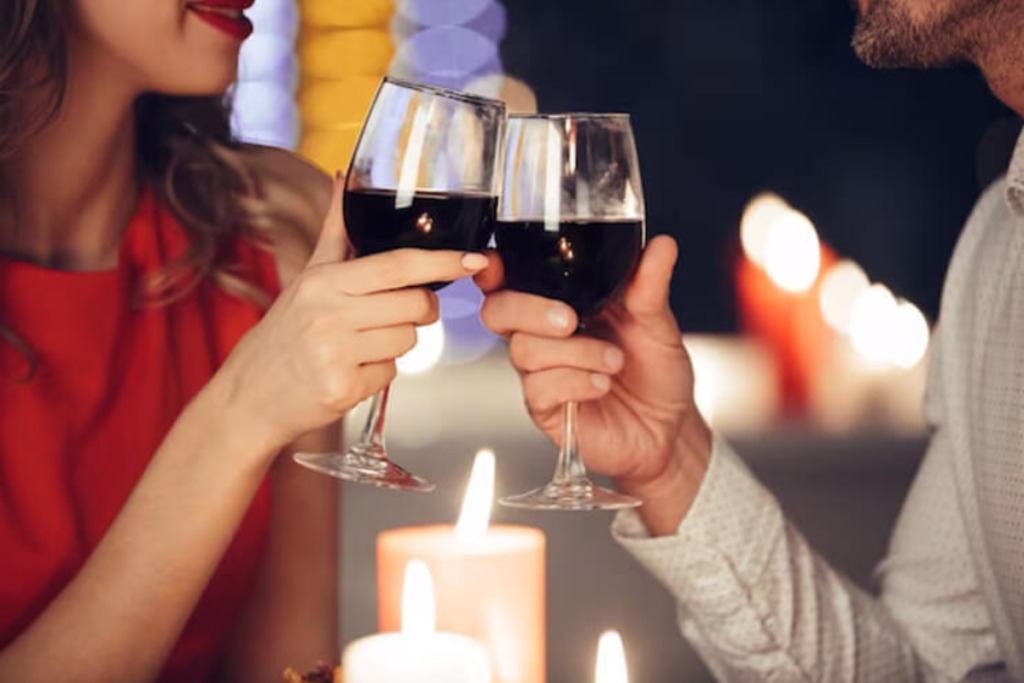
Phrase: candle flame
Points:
(418, 611)
(479, 498)
(611, 659)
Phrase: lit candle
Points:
(877, 372)
(777, 282)
(489, 580)
(736, 382)
(611, 659)
(417, 653)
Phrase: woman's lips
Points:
(225, 15)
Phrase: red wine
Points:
(583, 263)
(432, 220)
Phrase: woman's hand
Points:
(632, 378)
(331, 338)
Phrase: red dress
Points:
(111, 378)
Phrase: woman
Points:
(149, 528)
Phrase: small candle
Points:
(611, 659)
(777, 286)
(489, 579)
(736, 382)
(417, 653)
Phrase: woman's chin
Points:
(210, 84)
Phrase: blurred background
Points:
(808, 310)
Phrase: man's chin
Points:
(883, 37)
(886, 37)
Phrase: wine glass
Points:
(571, 227)
(424, 174)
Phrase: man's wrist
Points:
(668, 497)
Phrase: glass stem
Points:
(569, 470)
(372, 438)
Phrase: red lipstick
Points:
(225, 15)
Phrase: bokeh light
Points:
(427, 352)
(841, 286)
(910, 335)
(871, 323)
(792, 252)
(761, 213)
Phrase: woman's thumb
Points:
(333, 243)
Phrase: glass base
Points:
(586, 496)
(364, 465)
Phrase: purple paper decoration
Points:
(265, 111)
(268, 57)
(452, 43)
(441, 12)
(451, 56)
(277, 17)
(466, 338)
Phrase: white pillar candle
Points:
(417, 653)
(489, 579)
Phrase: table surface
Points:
(844, 491)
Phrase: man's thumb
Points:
(648, 293)
(333, 243)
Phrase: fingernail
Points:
(472, 261)
(337, 175)
(613, 358)
(600, 381)
(558, 316)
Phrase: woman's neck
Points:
(75, 182)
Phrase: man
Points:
(753, 597)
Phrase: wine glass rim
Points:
(573, 115)
(444, 92)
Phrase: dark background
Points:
(730, 98)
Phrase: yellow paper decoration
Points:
(330, 149)
(336, 103)
(345, 48)
(345, 52)
(346, 13)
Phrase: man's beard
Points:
(886, 36)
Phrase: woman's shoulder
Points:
(289, 202)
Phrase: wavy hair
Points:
(184, 148)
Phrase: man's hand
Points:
(630, 374)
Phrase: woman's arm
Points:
(292, 618)
(124, 610)
(328, 342)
